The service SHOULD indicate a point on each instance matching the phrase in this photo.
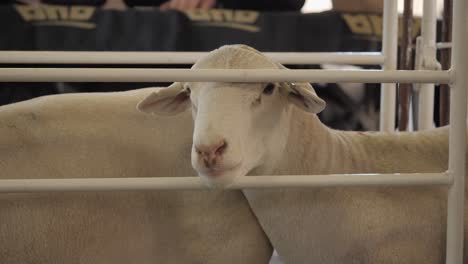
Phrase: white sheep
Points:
(103, 135)
(253, 129)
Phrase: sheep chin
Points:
(223, 181)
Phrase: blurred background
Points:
(202, 25)
(325, 5)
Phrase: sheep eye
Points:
(269, 88)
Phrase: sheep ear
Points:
(303, 96)
(166, 101)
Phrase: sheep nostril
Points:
(197, 150)
(221, 149)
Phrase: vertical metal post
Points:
(457, 133)
(406, 63)
(428, 34)
(444, 98)
(389, 50)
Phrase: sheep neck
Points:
(313, 148)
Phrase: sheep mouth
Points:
(219, 172)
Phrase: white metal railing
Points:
(457, 77)
(443, 45)
(247, 182)
(428, 61)
(390, 52)
(217, 75)
(127, 57)
(457, 140)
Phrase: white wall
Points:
(316, 6)
(323, 5)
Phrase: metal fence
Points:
(457, 77)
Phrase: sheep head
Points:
(239, 128)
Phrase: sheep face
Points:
(239, 128)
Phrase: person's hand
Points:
(187, 4)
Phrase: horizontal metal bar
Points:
(128, 57)
(218, 75)
(192, 183)
(444, 45)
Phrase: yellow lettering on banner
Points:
(81, 12)
(29, 12)
(198, 15)
(58, 15)
(248, 17)
(55, 12)
(228, 14)
(372, 25)
(377, 24)
(217, 15)
(358, 23)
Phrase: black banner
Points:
(89, 28)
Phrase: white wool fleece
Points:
(272, 129)
(103, 135)
(351, 224)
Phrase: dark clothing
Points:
(261, 5)
(264, 5)
(273, 5)
(59, 2)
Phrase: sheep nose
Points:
(211, 153)
(212, 150)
